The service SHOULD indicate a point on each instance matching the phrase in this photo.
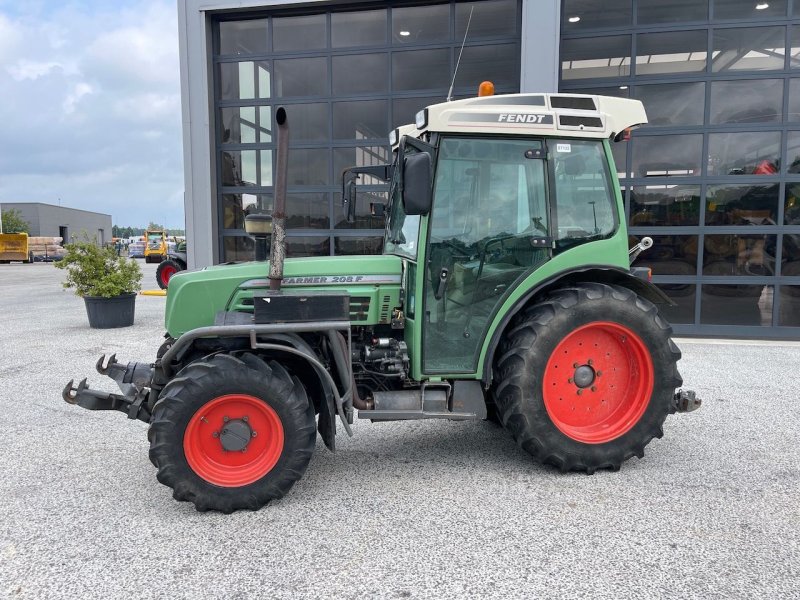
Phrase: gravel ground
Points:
(422, 509)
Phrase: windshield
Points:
(402, 230)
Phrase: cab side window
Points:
(584, 203)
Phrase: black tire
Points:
(166, 269)
(206, 380)
(525, 353)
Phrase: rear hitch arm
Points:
(685, 401)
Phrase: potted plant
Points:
(107, 283)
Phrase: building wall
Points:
(47, 220)
(536, 24)
(714, 177)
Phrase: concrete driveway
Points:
(422, 509)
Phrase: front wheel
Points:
(231, 432)
(586, 378)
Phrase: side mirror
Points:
(349, 177)
(417, 194)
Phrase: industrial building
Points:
(49, 220)
(712, 178)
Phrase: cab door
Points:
(489, 228)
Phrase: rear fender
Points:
(594, 274)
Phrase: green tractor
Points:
(504, 292)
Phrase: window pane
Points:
(741, 205)
(301, 77)
(794, 42)
(357, 245)
(747, 9)
(671, 255)
(667, 155)
(670, 205)
(307, 211)
(238, 248)
(790, 266)
(244, 80)
(308, 246)
(617, 91)
(584, 202)
(404, 110)
(246, 125)
(748, 49)
(360, 74)
(489, 19)
(790, 294)
(744, 304)
(243, 37)
(739, 255)
(358, 28)
(299, 33)
(682, 294)
(239, 167)
(791, 208)
(236, 206)
(307, 122)
(364, 217)
(592, 14)
(673, 103)
(420, 24)
(790, 305)
(499, 64)
(673, 52)
(752, 153)
(421, 70)
(366, 119)
(309, 167)
(674, 11)
(620, 152)
(746, 101)
(596, 57)
(794, 101)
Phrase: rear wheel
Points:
(232, 432)
(166, 269)
(586, 378)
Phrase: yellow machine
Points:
(155, 246)
(14, 246)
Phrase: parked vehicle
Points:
(173, 263)
(155, 249)
(504, 291)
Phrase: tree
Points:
(155, 226)
(13, 222)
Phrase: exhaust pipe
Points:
(278, 248)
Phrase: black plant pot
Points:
(107, 313)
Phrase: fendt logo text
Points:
(517, 118)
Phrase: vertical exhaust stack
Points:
(278, 248)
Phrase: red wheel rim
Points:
(204, 450)
(598, 382)
(167, 273)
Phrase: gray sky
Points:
(90, 107)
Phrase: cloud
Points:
(91, 111)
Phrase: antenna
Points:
(460, 52)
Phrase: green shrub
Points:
(95, 271)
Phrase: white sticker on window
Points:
(563, 148)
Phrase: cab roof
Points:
(562, 115)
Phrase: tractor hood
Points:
(195, 297)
